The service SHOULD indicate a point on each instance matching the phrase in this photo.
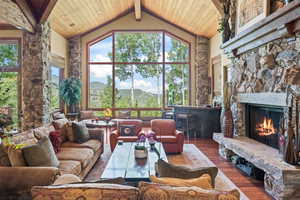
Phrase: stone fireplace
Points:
(265, 62)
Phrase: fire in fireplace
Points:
(263, 122)
(266, 127)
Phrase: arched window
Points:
(138, 71)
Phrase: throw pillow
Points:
(203, 181)
(165, 169)
(67, 179)
(58, 124)
(56, 140)
(81, 132)
(127, 130)
(4, 160)
(15, 156)
(41, 154)
(150, 191)
(67, 132)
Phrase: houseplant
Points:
(227, 125)
(70, 92)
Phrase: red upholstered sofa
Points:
(165, 132)
(115, 135)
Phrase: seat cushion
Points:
(167, 138)
(91, 144)
(69, 167)
(203, 181)
(83, 155)
(128, 138)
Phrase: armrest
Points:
(21, 179)
(96, 133)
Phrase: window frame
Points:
(114, 63)
(17, 69)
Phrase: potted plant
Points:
(70, 92)
(227, 115)
(140, 150)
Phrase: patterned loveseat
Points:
(145, 191)
(74, 158)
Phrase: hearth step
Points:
(248, 168)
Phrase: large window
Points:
(9, 77)
(140, 71)
(56, 75)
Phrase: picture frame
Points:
(249, 12)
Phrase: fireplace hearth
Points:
(263, 122)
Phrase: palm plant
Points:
(70, 92)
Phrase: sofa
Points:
(165, 132)
(74, 158)
(115, 135)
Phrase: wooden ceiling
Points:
(73, 17)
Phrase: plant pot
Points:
(228, 124)
(141, 154)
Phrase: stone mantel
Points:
(282, 23)
(264, 98)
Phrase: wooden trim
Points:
(270, 28)
(113, 63)
(214, 61)
(7, 27)
(137, 10)
(47, 11)
(218, 6)
(27, 11)
(57, 60)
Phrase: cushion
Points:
(43, 131)
(58, 115)
(128, 138)
(91, 144)
(40, 154)
(4, 160)
(83, 155)
(15, 156)
(66, 179)
(58, 124)
(87, 114)
(127, 130)
(26, 138)
(67, 132)
(165, 169)
(203, 181)
(81, 132)
(150, 191)
(56, 140)
(70, 167)
(167, 138)
(91, 191)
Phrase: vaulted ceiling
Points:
(73, 17)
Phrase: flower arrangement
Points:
(108, 113)
(140, 150)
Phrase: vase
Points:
(140, 154)
(228, 124)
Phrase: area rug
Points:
(191, 157)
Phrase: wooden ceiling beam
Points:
(138, 10)
(27, 11)
(47, 11)
(219, 6)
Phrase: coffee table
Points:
(122, 163)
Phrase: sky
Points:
(99, 53)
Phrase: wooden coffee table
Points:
(122, 163)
